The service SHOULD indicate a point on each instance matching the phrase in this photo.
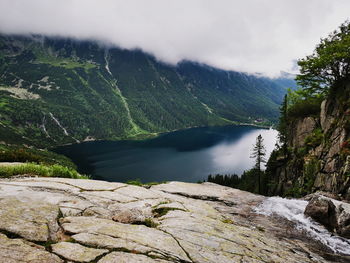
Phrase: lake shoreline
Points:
(188, 155)
(147, 136)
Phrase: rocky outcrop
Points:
(333, 214)
(322, 210)
(319, 151)
(67, 220)
(301, 129)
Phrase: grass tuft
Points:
(32, 169)
(162, 211)
(138, 182)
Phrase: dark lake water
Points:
(186, 155)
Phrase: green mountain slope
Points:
(57, 91)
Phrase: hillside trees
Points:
(328, 65)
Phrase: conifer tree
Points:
(259, 153)
(283, 125)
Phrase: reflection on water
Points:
(233, 156)
(188, 155)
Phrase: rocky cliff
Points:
(68, 220)
(319, 151)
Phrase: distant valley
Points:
(58, 91)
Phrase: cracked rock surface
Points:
(71, 220)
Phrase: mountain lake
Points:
(185, 155)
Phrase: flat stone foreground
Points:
(69, 220)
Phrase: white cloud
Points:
(243, 35)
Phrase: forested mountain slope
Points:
(56, 91)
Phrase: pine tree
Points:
(283, 125)
(259, 153)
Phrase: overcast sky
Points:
(263, 36)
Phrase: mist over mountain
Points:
(246, 36)
(60, 90)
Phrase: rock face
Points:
(302, 129)
(333, 214)
(67, 220)
(319, 151)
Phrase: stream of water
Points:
(293, 210)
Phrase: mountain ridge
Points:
(57, 90)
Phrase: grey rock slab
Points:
(84, 184)
(140, 234)
(198, 191)
(207, 238)
(36, 183)
(69, 203)
(174, 205)
(129, 216)
(97, 211)
(137, 192)
(122, 257)
(17, 250)
(77, 252)
(32, 220)
(108, 196)
(209, 192)
(104, 241)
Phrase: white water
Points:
(59, 124)
(293, 210)
(107, 64)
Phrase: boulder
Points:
(343, 220)
(333, 214)
(322, 210)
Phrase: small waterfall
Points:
(293, 210)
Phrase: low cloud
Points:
(264, 36)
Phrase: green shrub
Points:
(13, 153)
(305, 108)
(162, 211)
(147, 222)
(310, 172)
(32, 169)
(135, 182)
(138, 182)
(314, 139)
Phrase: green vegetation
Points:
(253, 180)
(138, 182)
(282, 126)
(162, 211)
(258, 153)
(329, 65)
(321, 74)
(76, 97)
(324, 74)
(305, 186)
(30, 169)
(227, 221)
(61, 62)
(314, 139)
(150, 223)
(14, 153)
